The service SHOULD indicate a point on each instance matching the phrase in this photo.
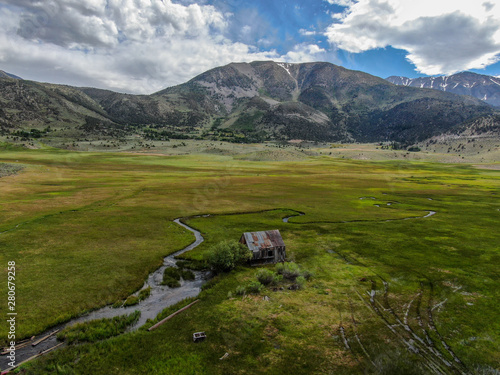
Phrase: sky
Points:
(143, 46)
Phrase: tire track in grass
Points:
(374, 306)
(429, 214)
(429, 361)
(429, 347)
(404, 333)
(432, 326)
(354, 323)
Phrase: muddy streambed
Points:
(160, 298)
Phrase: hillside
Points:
(322, 101)
(240, 102)
(31, 110)
(483, 87)
(477, 139)
(4, 74)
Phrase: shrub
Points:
(170, 282)
(226, 255)
(268, 277)
(134, 300)
(171, 277)
(173, 272)
(131, 301)
(300, 282)
(254, 287)
(307, 274)
(289, 271)
(265, 276)
(277, 279)
(144, 293)
(187, 275)
(279, 268)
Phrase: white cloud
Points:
(441, 37)
(303, 53)
(305, 32)
(247, 29)
(138, 46)
(343, 3)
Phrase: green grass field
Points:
(392, 292)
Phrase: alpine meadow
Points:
(393, 288)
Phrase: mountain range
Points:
(243, 102)
(486, 88)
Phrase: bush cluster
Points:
(192, 264)
(254, 287)
(173, 275)
(292, 271)
(226, 255)
(144, 293)
(289, 273)
(131, 301)
(268, 277)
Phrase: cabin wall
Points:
(270, 255)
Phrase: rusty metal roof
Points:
(263, 240)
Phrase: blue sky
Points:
(288, 23)
(141, 46)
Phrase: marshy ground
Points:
(388, 294)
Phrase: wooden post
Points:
(35, 356)
(171, 316)
(45, 338)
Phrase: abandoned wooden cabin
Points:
(266, 246)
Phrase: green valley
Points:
(403, 255)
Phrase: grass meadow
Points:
(392, 291)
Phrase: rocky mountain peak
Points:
(483, 87)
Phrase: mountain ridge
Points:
(244, 102)
(483, 87)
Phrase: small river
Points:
(160, 298)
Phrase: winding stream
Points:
(160, 298)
